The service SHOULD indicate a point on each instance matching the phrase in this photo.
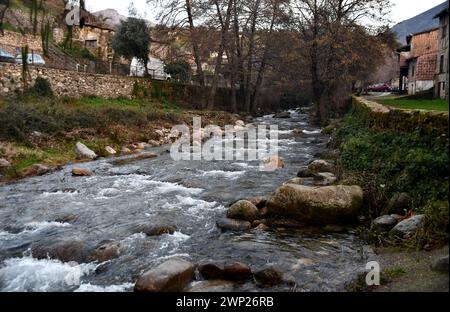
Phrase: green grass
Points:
(407, 103)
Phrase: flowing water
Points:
(191, 195)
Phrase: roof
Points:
(443, 12)
(426, 31)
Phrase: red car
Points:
(379, 88)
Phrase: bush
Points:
(42, 87)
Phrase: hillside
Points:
(110, 16)
(418, 23)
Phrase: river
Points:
(191, 195)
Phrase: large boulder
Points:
(156, 230)
(398, 204)
(243, 210)
(317, 205)
(170, 276)
(384, 223)
(83, 152)
(233, 225)
(65, 251)
(258, 201)
(321, 166)
(408, 227)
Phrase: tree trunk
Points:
(218, 69)
(251, 48)
(195, 47)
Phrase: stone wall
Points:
(69, 83)
(385, 118)
(13, 40)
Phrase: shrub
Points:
(42, 87)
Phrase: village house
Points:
(442, 71)
(422, 59)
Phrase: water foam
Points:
(32, 275)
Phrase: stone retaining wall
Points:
(13, 40)
(69, 83)
(386, 118)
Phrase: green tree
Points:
(179, 70)
(132, 39)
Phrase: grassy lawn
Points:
(407, 103)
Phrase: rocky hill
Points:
(418, 23)
(110, 17)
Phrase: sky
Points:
(402, 9)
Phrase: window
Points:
(444, 32)
(441, 64)
(90, 43)
(413, 70)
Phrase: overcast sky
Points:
(402, 10)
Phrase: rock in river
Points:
(237, 272)
(152, 230)
(64, 251)
(305, 172)
(268, 277)
(170, 276)
(212, 270)
(106, 252)
(282, 115)
(321, 166)
(317, 205)
(243, 210)
(233, 225)
(324, 179)
(211, 286)
(83, 152)
(82, 172)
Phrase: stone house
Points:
(442, 71)
(422, 59)
(96, 36)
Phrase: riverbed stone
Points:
(237, 271)
(282, 115)
(153, 143)
(317, 205)
(212, 270)
(157, 230)
(258, 201)
(83, 152)
(65, 251)
(106, 252)
(408, 227)
(233, 225)
(35, 170)
(146, 155)
(243, 210)
(324, 179)
(305, 172)
(170, 276)
(82, 172)
(384, 223)
(321, 165)
(273, 162)
(398, 204)
(268, 277)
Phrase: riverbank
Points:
(404, 176)
(44, 130)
